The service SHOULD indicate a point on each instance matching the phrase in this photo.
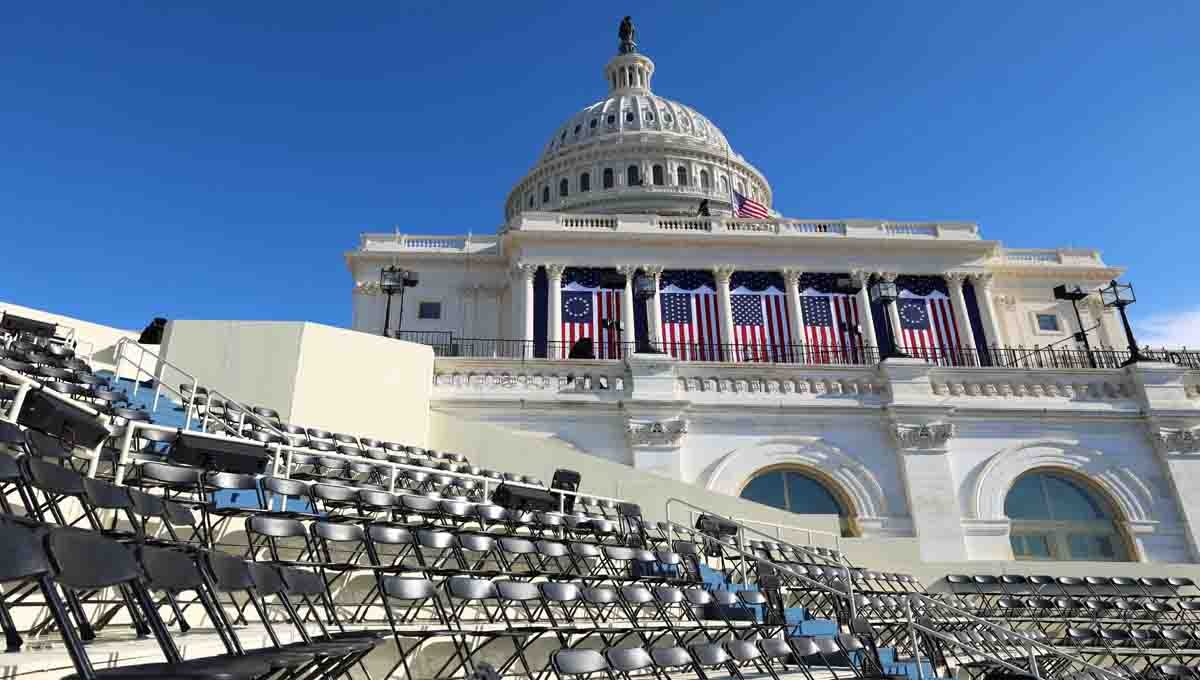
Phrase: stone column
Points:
(893, 313)
(791, 284)
(627, 327)
(527, 272)
(866, 318)
(653, 309)
(987, 308)
(722, 274)
(955, 281)
(554, 349)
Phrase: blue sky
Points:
(215, 162)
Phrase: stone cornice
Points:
(656, 433)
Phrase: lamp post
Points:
(1120, 295)
(393, 279)
(1075, 295)
(886, 293)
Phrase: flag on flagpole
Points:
(747, 207)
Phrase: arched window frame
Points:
(837, 495)
(563, 188)
(659, 175)
(704, 179)
(633, 176)
(585, 182)
(1057, 539)
(545, 194)
(681, 175)
(608, 179)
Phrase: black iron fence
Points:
(446, 344)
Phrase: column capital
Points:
(890, 277)
(723, 272)
(955, 279)
(555, 271)
(860, 277)
(654, 271)
(627, 270)
(983, 281)
(923, 436)
(791, 275)
(526, 270)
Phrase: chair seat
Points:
(209, 668)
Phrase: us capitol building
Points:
(909, 378)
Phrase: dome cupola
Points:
(636, 152)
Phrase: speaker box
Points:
(524, 499)
(566, 480)
(19, 324)
(716, 527)
(219, 454)
(49, 415)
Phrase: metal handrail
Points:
(805, 549)
(837, 542)
(159, 384)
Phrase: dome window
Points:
(577, 129)
(633, 176)
(612, 119)
(545, 195)
(585, 182)
(608, 178)
(704, 181)
(629, 116)
(530, 200)
(649, 115)
(657, 174)
(562, 187)
(667, 118)
(681, 176)
(592, 124)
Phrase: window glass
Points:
(809, 497)
(1030, 546)
(1069, 502)
(681, 176)
(633, 176)
(1090, 547)
(545, 194)
(562, 187)
(1026, 500)
(612, 119)
(658, 175)
(766, 489)
(429, 310)
(629, 116)
(608, 178)
(585, 182)
(1047, 322)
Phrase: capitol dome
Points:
(636, 152)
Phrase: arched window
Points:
(608, 178)
(658, 175)
(545, 194)
(724, 184)
(629, 116)
(795, 491)
(741, 187)
(681, 176)
(585, 182)
(1055, 517)
(531, 200)
(633, 177)
(704, 179)
(562, 187)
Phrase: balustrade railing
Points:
(446, 344)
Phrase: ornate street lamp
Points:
(392, 280)
(1075, 295)
(886, 293)
(1120, 295)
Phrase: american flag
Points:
(584, 312)
(690, 329)
(830, 328)
(927, 321)
(747, 207)
(761, 326)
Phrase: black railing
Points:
(445, 344)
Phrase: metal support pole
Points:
(387, 314)
(912, 635)
(123, 458)
(94, 458)
(850, 593)
(18, 401)
(1033, 662)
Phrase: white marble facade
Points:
(912, 448)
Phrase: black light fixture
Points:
(392, 280)
(886, 293)
(1120, 295)
(1076, 294)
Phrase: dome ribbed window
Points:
(562, 187)
(659, 180)
(585, 182)
(608, 178)
(681, 176)
(633, 177)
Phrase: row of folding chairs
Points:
(983, 589)
(842, 657)
(67, 569)
(1048, 613)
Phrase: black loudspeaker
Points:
(49, 415)
(716, 527)
(524, 498)
(582, 349)
(566, 480)
(219, 454)
(19, 324)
